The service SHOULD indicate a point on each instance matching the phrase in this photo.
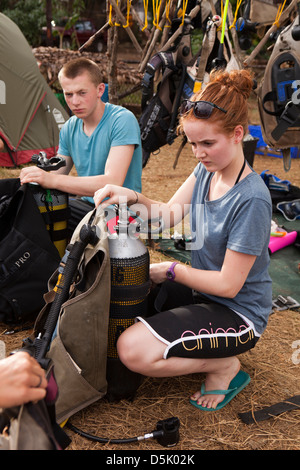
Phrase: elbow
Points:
(218, 284)
(231, 291)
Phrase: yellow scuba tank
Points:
(52, 203)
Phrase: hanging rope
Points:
(168, 4)
(182, 11)
(156, 10)
(110, 17)
(128, 14)
(279, 13)
(219, 28)
(146, 14)
(111, 23)
(239, 2)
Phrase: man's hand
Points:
(33, 174)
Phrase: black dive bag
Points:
(27, 255)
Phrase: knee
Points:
(127, 351)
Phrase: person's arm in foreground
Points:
(171, 212)
(224, 283)
(21, 380)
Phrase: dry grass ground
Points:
(274, 371)
(274, 375)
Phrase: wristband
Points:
(170, 274)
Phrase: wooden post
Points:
(112, 51)
(172, 39)
(90, 41)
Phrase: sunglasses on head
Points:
(201, 109)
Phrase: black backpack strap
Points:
(161, 60)
(172, 131)
(270, 96)
(288, 118)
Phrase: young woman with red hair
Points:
(217, 308)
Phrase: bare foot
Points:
(217, 380)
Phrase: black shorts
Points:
(193, 326)
(78, 209)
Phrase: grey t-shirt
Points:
(241, 221)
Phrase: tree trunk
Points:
(49, 38)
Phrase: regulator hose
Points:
(166, 433)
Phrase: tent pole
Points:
(9, 152)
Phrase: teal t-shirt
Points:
(118, 126)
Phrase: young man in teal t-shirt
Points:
(101, 140)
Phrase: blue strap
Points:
(216, 392)
(266, 177)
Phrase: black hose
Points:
(41, 343)
(166, 433)
(61, 296)
(101, 439)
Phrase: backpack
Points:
(79, 338)
(278, 105)
(159, 115)
(27, 255)
(179, 72)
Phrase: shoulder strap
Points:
(289, 117)
(161, 60)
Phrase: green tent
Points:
(30, 114)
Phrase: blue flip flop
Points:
(237, 384)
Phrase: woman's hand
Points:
(112, 194)
(158, 272)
